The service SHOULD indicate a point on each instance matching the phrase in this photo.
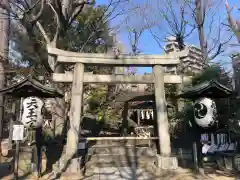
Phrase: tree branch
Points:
(65, 7)
(7, 8)
(58, 24)
(58, 8)
(190, 32)
(156, 38)
(88, 39)
(27, 5)
(79, 5)
(43, 32)
(234, 26)
(36, 18)
(220, 49)
(32, 7)
(75, 13)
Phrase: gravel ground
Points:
(126, 173)
(146, 172)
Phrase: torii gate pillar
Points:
(164, 159)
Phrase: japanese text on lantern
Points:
(32, 112)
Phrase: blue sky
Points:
(148, 44)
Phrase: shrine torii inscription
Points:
(158, 78)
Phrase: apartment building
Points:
(191, 62)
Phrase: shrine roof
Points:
(210, 89)
(135, 96)
(30, 87)
(146, 105)
(144, 99)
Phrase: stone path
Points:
(121, 173)
(128, 173)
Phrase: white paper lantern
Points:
(32, 112)
(205, 112)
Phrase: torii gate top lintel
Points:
(116, 60)
(121, 60)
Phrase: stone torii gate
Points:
(158, 78)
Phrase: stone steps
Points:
(98, 156)
(103, 155)
(120, 155)
(111, 158)
(129, 151)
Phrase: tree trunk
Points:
(4, 42)
(200, 25)
(75, 120)
(58, 107)
(203, 44)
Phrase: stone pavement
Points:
(128, 173)
(119, 173)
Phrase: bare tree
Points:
(201, 11)
(181, 19)
(167, 18)
(175, 14)
(134, 37)
(233, 24)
